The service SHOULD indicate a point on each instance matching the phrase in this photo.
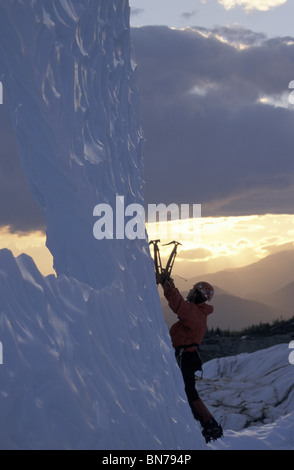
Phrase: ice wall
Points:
(70, 80)
(85, 369)
(87, 357)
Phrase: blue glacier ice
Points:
(71, 83)
(87, 359)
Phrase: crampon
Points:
(212, 431)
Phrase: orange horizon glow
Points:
(224, 242)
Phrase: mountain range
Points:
(259, 292)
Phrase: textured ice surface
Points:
(252, 388)
(71, 83)
(87, 357)
(253, 396)
(85, 369)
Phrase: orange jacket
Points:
(192, 324)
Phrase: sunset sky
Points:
(214, 79)
(231, 242)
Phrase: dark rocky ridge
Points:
(219, 343)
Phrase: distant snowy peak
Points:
(69, 77)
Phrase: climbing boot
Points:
(212, 430)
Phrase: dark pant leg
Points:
(190, 363)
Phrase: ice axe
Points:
(172, 257)
(157, 259)
(159, 270)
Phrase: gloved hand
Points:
(158, 277)
(164, 278)
(170, 282)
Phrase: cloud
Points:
(261, 5)
(235, 36)
(218, 132)
(187, 15)
(210, 139)
(137, 11)
(195, 254)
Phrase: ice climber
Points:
(186, 335)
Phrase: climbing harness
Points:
(179, 356)
(181, 349)
(159, 270)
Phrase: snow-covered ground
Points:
(253, 397)
(275, 436)
(87, 358)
